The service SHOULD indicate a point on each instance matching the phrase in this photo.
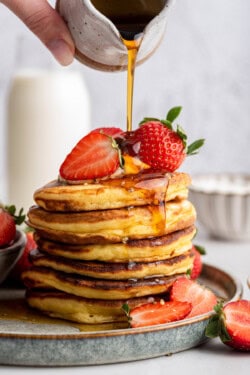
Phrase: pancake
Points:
(144, 250)
(129, 190)
(81, 310)
(115, 271)
(112, 226)
(39, 277)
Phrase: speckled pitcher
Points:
(98, 41)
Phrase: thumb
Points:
(47, 24)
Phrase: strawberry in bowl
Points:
(12, 240)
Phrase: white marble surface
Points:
(203, 64)
(210, 358)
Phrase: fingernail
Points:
(61, 51)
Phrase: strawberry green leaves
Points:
(216, 326)
(173, 113)
(193, 148)
(231, 322)
(18, 217)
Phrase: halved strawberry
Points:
(202, 299)
(232, 324)
(112, 132)
(96, 155)
(158, 313)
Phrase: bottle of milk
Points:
(48, 111)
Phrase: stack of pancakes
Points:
(105, 243)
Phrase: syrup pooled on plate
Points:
(17, 309)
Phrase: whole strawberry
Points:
(8, 222)
(232, 324)
(198, 251)
(162, 147)
(23, 263)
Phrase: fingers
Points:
(47, 24)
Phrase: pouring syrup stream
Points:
(132, 47)
(131, 18)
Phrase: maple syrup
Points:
(17, 309)
(133, 48)
(130, 17)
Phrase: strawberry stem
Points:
(117, 148)
(216, 325)
(200, 249)
(126, 309)
(181, 133)
(19, 218)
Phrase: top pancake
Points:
(147, 188)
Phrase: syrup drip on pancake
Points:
(153, 182)
(156, 182)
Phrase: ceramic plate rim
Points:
(129, 331)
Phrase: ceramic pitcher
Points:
(98, 42)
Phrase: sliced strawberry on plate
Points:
(232, 324)
(157, 313)
(198, 251)
(202, 299)
(96, 155)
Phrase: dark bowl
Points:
(9, 255)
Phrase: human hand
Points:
(47, 25)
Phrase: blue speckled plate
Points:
(31, 344)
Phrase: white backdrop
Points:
(203, 64)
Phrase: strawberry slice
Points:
(232, 324)
(158, 313)
(96, 155)
(202, 299)
(112, 132)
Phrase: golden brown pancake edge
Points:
(127, 190)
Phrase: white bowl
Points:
(9, 255)
(222, 202)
